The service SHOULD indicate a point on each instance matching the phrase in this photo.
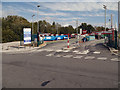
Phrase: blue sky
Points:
(65, 13)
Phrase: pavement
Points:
(90, 65)
(14, 47)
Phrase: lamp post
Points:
(32, 24)
(77, 31)
(105, 7)
(38, 27)
(57, 28)
(38, 18)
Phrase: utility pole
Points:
(105, 7)
(111, 21)
(32, 24)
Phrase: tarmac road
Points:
(61, 69)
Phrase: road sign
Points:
(27, 35)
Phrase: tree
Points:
(12, 28)
(90, 28)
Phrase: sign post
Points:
(27, 35)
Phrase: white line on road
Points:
(89, 57)
(96, 52)
(67, 56)
(102, 58)
(84, 52)
(75, 51)
(78, 57)
(51, 54)
(66, 51)
(115, 59)
(58, 56)
(59, 50)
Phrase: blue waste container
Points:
(49, 38)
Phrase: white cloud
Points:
(81, 6)
(60, 0)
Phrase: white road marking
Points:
(51, 54)
(67, 56)
(78, 57)
(115, 59)
(89, 57)
(96, 52)
(102, 58)
(58, 56)
(66, 50)
(75, 51)
(59, 50)
(84, 52)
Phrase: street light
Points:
(38, 27)
(32, 24)
(57, 28)
(77, 31)
(105, 7)
(38, 18)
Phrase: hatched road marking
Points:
(84, 52)
(75, 51)
(102, 58)
(51, 54)
(78, 57)
(58, 56)
(59, 50)
(67, 56)
(115, 59)
(96, 52)
(89, 57)
(66, 51)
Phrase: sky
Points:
(64, 13)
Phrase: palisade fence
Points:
(34, 40)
